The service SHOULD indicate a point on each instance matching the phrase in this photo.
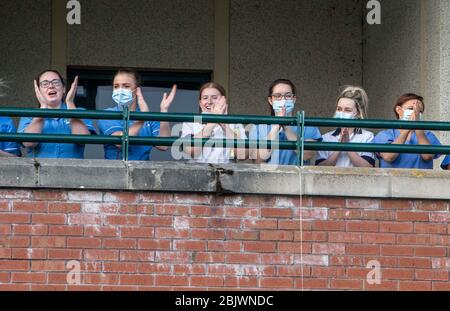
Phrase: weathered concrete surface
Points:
(239, 179)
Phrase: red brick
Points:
(362, 249)
(171, 210)
(223, 269)
(259, 247)
(5, 229)
(155, 268)
(97, 231)
(4, 206)
(397, 204)
(5, 277)
(242, 258)
(355, 273)
(276, 259)
(363, 203)
(332, 202)
(328, 248)
(132, 255)
(49, 195)
(344, 214)
(241, 235)
(136, 280)
(14, 265)
(345, 260)
(167, 280)
(151, 197)
(84, 219)
(413, 239)
(136, 232)
(29, 253)
(198, 210)
(121, 197)
(14, 218)
(385, 262)
(84, 288)
(50, 265)
(315, 236)
(284, 224)
(64, 253)
(294, 247)
(169, 233)
(209, 234)
(430, 228)
(432, 251)
(384, 286)
(315, 213)
(397, 251)
(44, 242)
(47, 288)
(154, 244)
(362, 226)
(259, 224)
(344, 237)
(5, 253)
(99, 254)
(33, 207)
(295, 271)
(100, 208)
(189, 245)
(329, 225)
(311, 283)
(64, 208)
(346, 284)
(122, 220)
(311, 260)
(276, 213)
(28, 277)
(213, 281)
(172, 257)
(414, 286)
(227, 246)
(157, 221)
(15, 194)
(432, 275)
(15, 241)
(241, 282)
(277, 282)
(66, 230)
(88, 196)
(396, 227)
(379, 215)
(73, 242)
(437, 286)
(119, 243)
(97, 278)
(57, 219)
(412, 216)
(120, 267)
(269, 235)
(30, 229)
(397, 274)
(199, 269)
(431, 205)
(14, 287)
(440, 217)
(379, 238)
(243, 212)
(424, 263)
(224, 223)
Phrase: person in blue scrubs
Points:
(409, 107)
(445, 165)
(7, 149)
(281, 99)
(50, 91)
(127, 92)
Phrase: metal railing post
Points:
(300, 136)
(125, 133)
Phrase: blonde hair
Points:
(359, 96)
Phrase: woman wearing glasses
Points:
(281, 99)
(7, 149)
(127, 92)
(352, 103)
(212, 100)
(50, 92)
(409, 107)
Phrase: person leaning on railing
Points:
(282, 98)
(7, 149)
(409, 107)
(50, 92)
(212, 100)
(127, 92)
(352, 103)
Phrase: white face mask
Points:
(344, 115)
(407, 115)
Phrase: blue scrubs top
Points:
(7, 126)
(135, 152)
(283, 157)
(56, 126)
(446, 162)
(405, 160)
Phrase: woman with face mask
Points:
(409, 107)
(7, 149)
(127, 93)
(352, 103)
(212, 100)
(282, 98)
(50, 92)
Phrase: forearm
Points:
(400, 140)
(423, 140)
(331, 161)
(35, 127)
(4, 154)
(206, 132)
(263, 154)
(357, 160)
(78, 127)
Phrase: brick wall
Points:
(149, 241)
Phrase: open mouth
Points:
(52, 93)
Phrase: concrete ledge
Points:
(239, 179)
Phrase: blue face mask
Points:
(279, 104)
(123, 97)
(344, 115)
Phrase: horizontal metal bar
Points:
(379, 124)
(61, 138)
(61, 113)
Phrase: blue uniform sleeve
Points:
(23, 123)
(154, 126)
(107, 127)
(384, 137)
(434, 141)
(312, 133)
(11, 147)
(445, 163)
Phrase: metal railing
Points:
(299, 120)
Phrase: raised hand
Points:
(345, 137)
(70, 97)
(168, 99)
(141, 100)
(40, 97)
(221, 106)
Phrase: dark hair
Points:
(212, 85)
(405, 98)
(137, 77)
(274, 84)
(38, 77)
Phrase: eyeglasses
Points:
(287, 96)
(46, 84)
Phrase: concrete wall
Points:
(25, 48)
(316, 44)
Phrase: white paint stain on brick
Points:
(284, 202)
(91, 208)
(30, 253)
(86, 196)
(312, 260)
(440, 263)
(234, 200)
(181, 223)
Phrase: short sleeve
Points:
(312, 133)
(24, 123)
(107, 127)
(446, 162)
(384, 137)
(154, 127)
